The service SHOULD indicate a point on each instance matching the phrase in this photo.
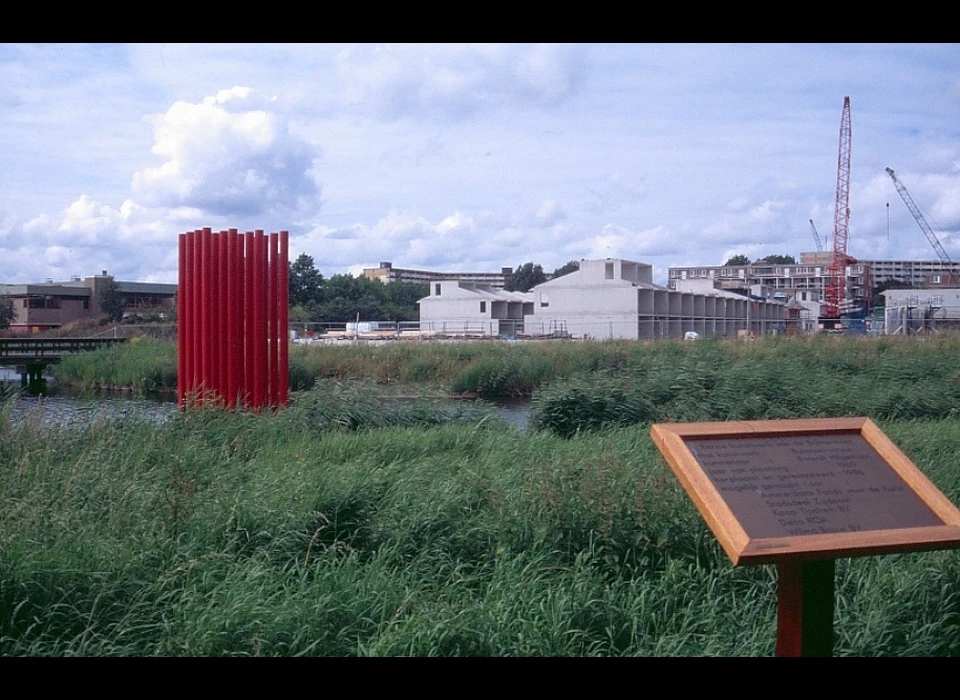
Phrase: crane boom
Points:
(816, 237)
(836, 290)
(922, 222)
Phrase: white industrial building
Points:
(455, 307)
(609, 298)
(915, 311)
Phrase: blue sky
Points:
(463, 157)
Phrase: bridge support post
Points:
(31, 377)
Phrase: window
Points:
(608, 271)
(544, 300)
(935, 279)
(436, 289)
(483, 307)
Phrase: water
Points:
(63, 407)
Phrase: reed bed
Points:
(145, 365)
(305, 533)
(352, 525)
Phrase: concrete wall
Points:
(455, 307)
(604, 299)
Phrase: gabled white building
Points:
(600, 300)
(610, 298)
(461, 308)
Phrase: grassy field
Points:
(349, 525)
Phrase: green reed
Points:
(346, 525)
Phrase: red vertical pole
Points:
(259, 322)
(284, 303)
(185, 320)
(240, 339)
(221, 311)
(231, 314)
(249, 359)
(213, 380)
(206, 266)
(181, 333)
(196, 324)
(273, 295)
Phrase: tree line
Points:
(340, 298)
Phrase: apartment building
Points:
(388, 273)
(783, 281)
(921, 274)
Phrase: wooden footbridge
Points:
(30, 356)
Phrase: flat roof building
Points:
(388, 273)
(610, 298)
(47, 305)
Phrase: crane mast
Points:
(816, 237)
(836, 289)
(921, 221)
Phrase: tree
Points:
(6, 313)
(111, 301)
(306, 282)
(779, 260)
(566, 268)
(737, 260)
(346, 296)
(525, 278)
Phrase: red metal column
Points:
(273, 362)
(232, 307)
(181, 332)
(249, 359)
(240, 339)
(188, 320)
(205, 315)
(196, 327)
(231, 314)
(283, 303)
(259, 321)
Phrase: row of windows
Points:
(47, 303)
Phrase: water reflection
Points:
(65, 407)
(62, 410)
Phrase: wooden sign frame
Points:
(903, 511)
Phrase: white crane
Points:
(922, 222)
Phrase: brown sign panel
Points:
(806, 489)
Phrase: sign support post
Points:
(805, 600)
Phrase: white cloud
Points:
(228, 156)
(457, 80)
(454, 222)
(550, 213)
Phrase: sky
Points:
(470, 157)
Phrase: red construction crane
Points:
(836, 288)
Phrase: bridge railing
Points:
(41, 348)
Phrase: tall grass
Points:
(503, 370)
(349, 525)
(346, 527)
(144, 364)
(885, 379)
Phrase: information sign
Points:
(781, 490)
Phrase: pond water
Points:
(62, 406)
